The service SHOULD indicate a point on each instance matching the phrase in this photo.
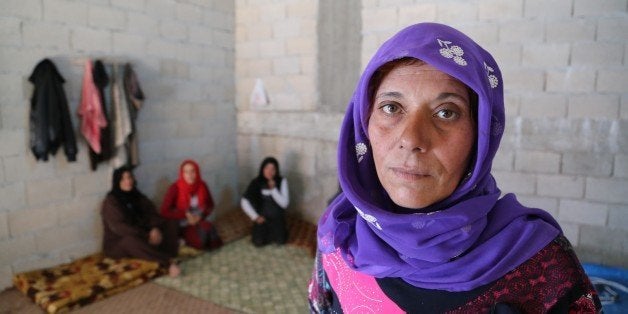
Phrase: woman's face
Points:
(421, 131)
(189, 173)
(126, 183)
(269, 171)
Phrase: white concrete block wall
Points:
(566, 78)
(183, 53)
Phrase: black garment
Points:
(253, 192)
(273, 229)
(101, 80)
(50, 123)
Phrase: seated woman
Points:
(264, 202)
(133, 228)
(189, 203)
(420, 225)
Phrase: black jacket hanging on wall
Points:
(50, 123)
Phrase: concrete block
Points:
(302, 9)
(613, 240)
(17, 167)
(105, 17)
(80, 210)
(80, 250)
(379, 19)
(500, 10)
(16, 248)
(131, 5)
(286, 28)
(607, 190)
(56, 189)
(189, 13)
(173, 30)
(10, 34)
(593, 106)
(504, 160)
(548, 204)
(174, 69)
(583, 212)
(551, 9)
(597, 54)
(571, 231)
(200, 34)
(223, 39)
(537, 162)
(161, 48)
(142, 24)
(247, 15)
(618, 216)
(570, 30)
(161, 9)
(92, 183)
(512, 105)
(528, 31)
(38, 262)
(560, 186)
(545, 55)
(12, 196)
(10, 94)
(612, 80)
(571, 80)
(4, 226)
(256, 33)
(487, 34)
(613, 29)
(456, 12)
(90, 40)
(190, 128)
(286, 65)
(590, 164)
(28, 9)
(125, 44)
(543, 106)
(620, 166)
(523, 79)
(13, 143)
(272, 12)
(600, 7)
(25, 221)
(515, 182)
(416, 13)
(300, 46)
(272, 48)
(623, 114)
(59, 238)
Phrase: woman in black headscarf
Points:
(132, 226)
(265, 201)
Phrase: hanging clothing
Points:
(101, 81)
(90, 110)
(135, 98)
(261, 200)
(121, 118)
(470, 239)
(50, 122)
(183, 198)
(128, 217)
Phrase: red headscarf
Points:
(198, 188)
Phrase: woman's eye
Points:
(390, 108)
(447, 114)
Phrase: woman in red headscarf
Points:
(189, 201)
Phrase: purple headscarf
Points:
(467, 240)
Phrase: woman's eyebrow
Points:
(443, 96)
(389, 94)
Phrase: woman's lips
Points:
(409, 174)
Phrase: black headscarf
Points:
(253, 192)
(130, 200)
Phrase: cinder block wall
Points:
(566, 81)
(183, 53)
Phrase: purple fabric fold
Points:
(467, 240)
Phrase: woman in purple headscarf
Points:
(420, 226)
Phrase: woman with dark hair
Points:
(420, 225)
(265, 201)
(132, 226)
(189, 203)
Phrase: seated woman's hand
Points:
(192, 219)
(260, 220)
(154, 236)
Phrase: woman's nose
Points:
(415, 133)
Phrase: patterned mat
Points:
(270, 279)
